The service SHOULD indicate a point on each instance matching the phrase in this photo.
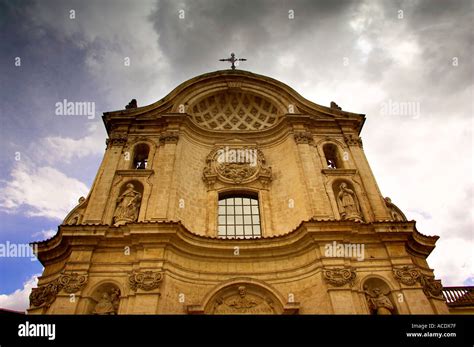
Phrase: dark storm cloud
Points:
(255, 29)
(51, 70)
(445, 31)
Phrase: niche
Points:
(105, 300)
(379, 297)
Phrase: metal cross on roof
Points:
(232, 59)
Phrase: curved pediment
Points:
(236, 100)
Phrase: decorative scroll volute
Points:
(407, 275)
(72, 282)
(146, 280)
(46, 294)
(339, 277)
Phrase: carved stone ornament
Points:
(147, 280)
(353, 140)
(340, 277)
(236, 165)
(116, 139)
(303, 137)
(76, 215)
(46, 294)
(169, 137)
(242, 302)
(407, 275)
(72, 282)
(431, 287)
(410, 275)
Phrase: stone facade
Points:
(145, 240)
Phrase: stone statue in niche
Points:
(108, 304)
(379, 303)
(128, 205)
(347, 202)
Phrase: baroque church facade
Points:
(235, 195)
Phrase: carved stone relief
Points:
(72, 282)
(407, 275)
(236, 165)
(146, 280)
(353, 140)
(46, 294)
(303, 137)
(116, 139)
(410, 275)
(242, 302)
(431, 287)
(77, 213)
(339, 277)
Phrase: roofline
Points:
(166, 102)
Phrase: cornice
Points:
(176, 235)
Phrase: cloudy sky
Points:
(368, 56)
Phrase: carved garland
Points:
(46, 294)
(146, 280)
(340, 277)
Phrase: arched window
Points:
(332, 156)
(140, 156)
(239, 216)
